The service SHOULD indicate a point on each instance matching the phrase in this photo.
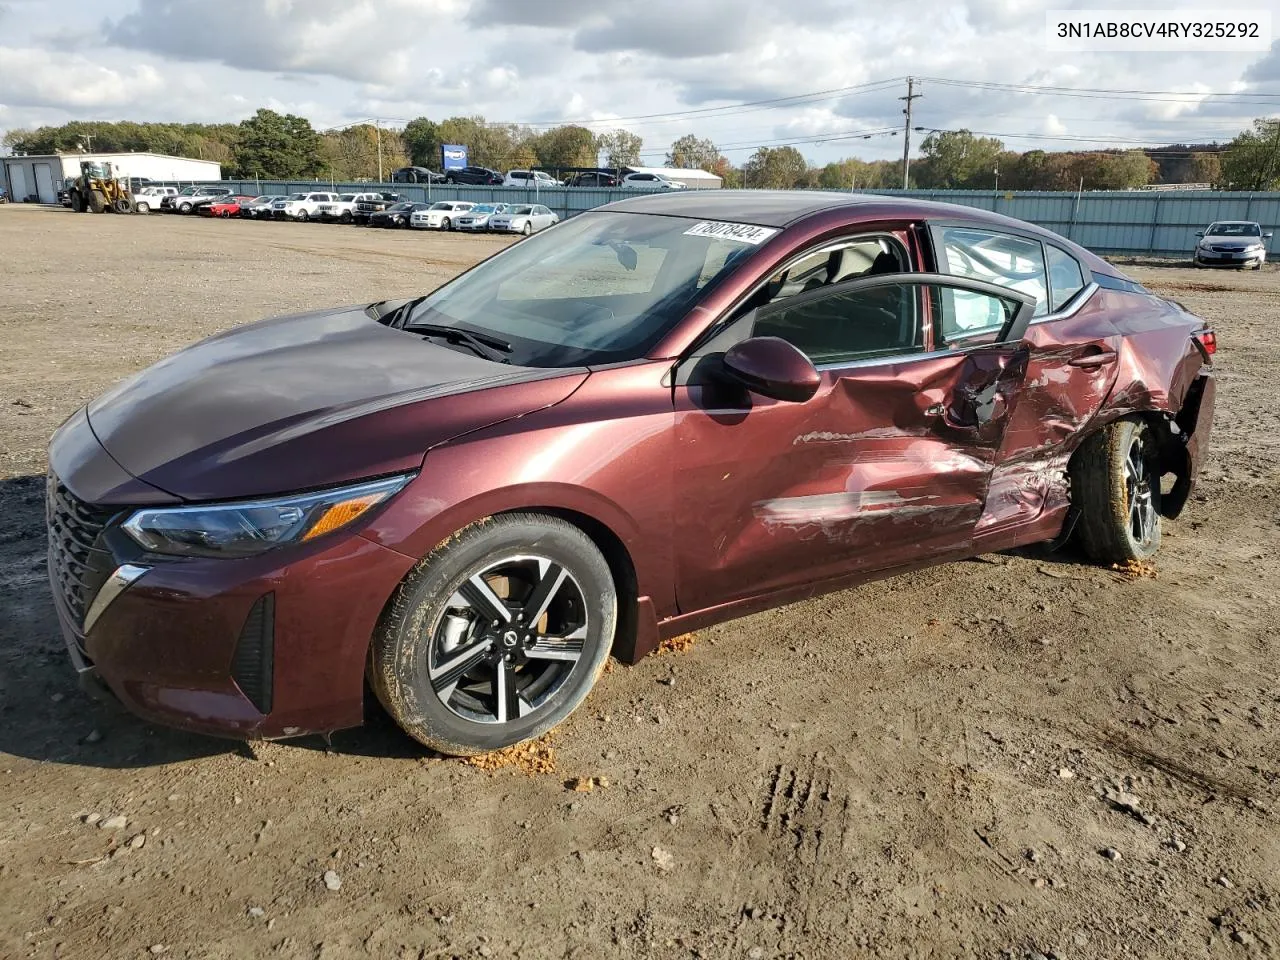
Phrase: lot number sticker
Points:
(741, 232)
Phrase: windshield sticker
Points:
(741, 232)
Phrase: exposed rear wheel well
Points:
(620, 566)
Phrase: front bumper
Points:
(1210, 258)
(267, 646)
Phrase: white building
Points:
(693, 179)
(38, 178)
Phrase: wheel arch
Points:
(1174, 457)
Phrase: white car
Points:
(150, 198)
(260, 208)
(343, 209)
(441, 215)
(301, 206)
(532, 179)
(526, 218)
(477, 218)
(649, 181)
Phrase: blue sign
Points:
(454, 156)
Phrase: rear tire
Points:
(77, 202)
(461, 685)
(1115, 484)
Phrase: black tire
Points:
(303, 216)
(123, 205)
(528, 228)
(346, 217)
(77, 202)
(446, 224)
(142, 207)
(184, 208)
(1115, 484)
(97, 201)
(548, 679)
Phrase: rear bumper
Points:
(1195, 424)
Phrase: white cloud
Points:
(338, 61)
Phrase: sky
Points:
(660, 68)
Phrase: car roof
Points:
(782, 208)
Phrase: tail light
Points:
(1208, 342)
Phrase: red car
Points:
(657, 415)
(224, 207)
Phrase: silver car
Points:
(1232, 243)
(477, 218)
(523, 218)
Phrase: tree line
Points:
(274, 146)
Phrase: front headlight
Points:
(252, 526)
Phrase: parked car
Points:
(650, 181)
(375, 203)
(225, 207)
(185, 200)
(416, 175)
(138, 184)
(397, 215)
(664, 413)
(441, 215)
(261, 207)
(525, 218)
(301, 206)
(474, 175)
(531, 179)
(150, 198)
(1231, 243)
(597, 178)
(477, 218)
(343, 209)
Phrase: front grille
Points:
(1217, 249)
(78, 561)
(251, 666)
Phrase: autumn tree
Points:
(693, 153)
(1252, 160)
(776, 168)
(567, 146)
(621, 148)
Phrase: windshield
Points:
(522, 211)
(347, 197)
(1235, 230)
(442, 205)
(483, 208)
(297, 196)
(600, 288)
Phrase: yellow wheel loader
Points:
(99, 190)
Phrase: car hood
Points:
(1234, 242)
(307, 401)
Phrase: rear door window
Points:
(1066, 279)
(1000, 258)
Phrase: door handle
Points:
(1098, 358)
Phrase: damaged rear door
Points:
(887, 464)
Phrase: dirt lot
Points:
(913, 769)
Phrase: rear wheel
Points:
(1115, 484)
(77, 202)
(497, 636)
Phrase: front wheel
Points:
(184, 208)
(1115, 485)
(142, 207)
(303, 216)
(528, 228)
(496, 636)
(446, 224)
(345, 218)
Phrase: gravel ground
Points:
(1020, 755)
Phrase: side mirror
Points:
(1199, 233)
(772, 368)
(1266, 236)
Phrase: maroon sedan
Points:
(660, 414)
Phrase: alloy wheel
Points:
(509, 639)
(1140, 495)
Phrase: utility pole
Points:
(906, 132)
(377, 125)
